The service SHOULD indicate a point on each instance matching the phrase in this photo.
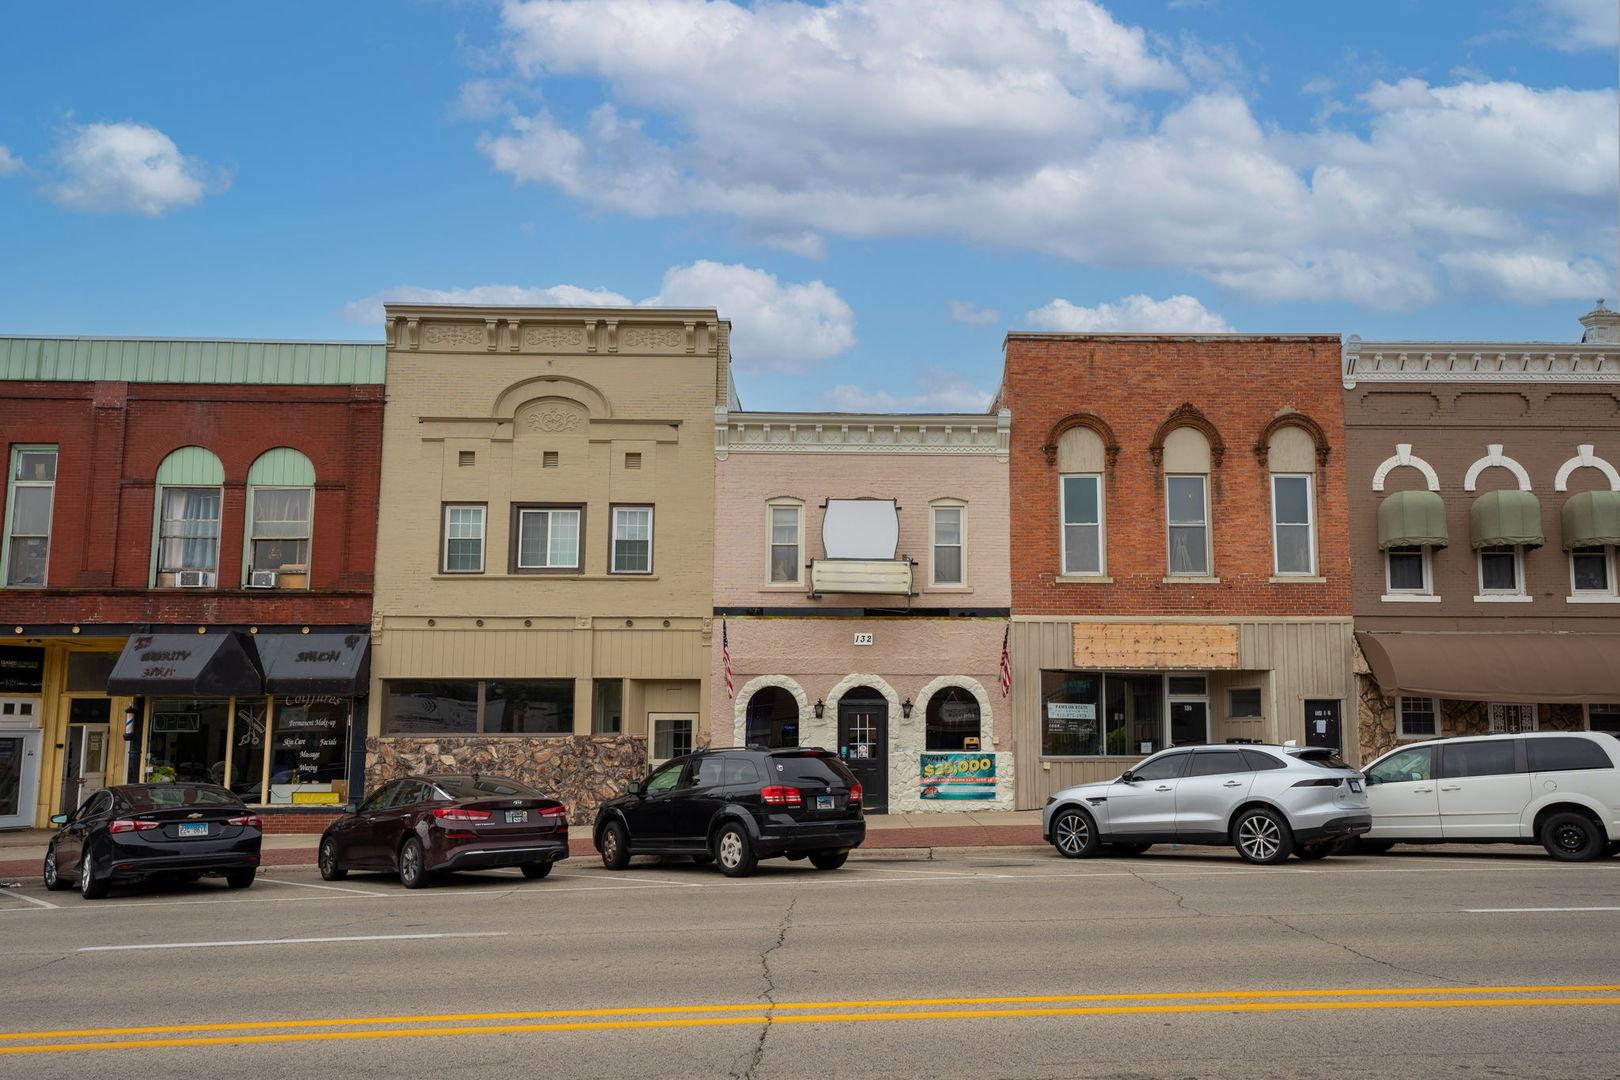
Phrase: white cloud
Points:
(944, 392)
(128, 168)
(10, 164)
(971, 314)
(775, 326)
(1133, 314)
(1531, 277)
(1050, 126)
(1575, 25)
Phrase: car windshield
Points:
(163, 796)
(816, 768)
(1322, 757)
(481, 787)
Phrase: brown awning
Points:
(1546, 668)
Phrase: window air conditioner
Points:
(194, 579)
(263, 579)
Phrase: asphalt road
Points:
(1184, 963)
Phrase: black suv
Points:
(736, 806)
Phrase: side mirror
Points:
(58, 819)
(638, 787)
(351, 808)
(1126, 777)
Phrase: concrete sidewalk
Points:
(23, 850)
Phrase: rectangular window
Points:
(1082, 524)
(547, 539)
(1417, 718)
(1407, 567)
(28, 514)
(1097, 714)
(463, 540)
(473, 707)
(784, 522)
(1245, 703)
(1188, 516)
(528, 707)
(672, 737)
(1292, 529)
(948, 563)
(280, 534)
(188, 535)
(632, 540)
(1513, 716)
(1591, 570)
(1499, 570)
(1605, 717)
(607, 706)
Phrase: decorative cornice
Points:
(1085, 420)
(1491, 361)
(967, 434)
(581, 331)
(1187, 415)
(1262, 447)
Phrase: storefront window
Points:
(607, 707)
(247, 750)
(773, 718)
(953, 720)
(1070, 701)
(188, 739)
(430, 707)
(529, 707)
(471, 707)
(87, 672)
(1092, 714)
(309, 750)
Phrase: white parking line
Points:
(284, 941)
(312, 885)
(1504, 910)
(30, 899)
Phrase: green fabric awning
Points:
(1412, 518)
(1592, 518)
(1500, 518)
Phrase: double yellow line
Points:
(813, 1012)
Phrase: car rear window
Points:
(1323, 757)
(742, 771)
(482, 787)
(822, 768)
(1259, 761)
(1477, 758)
(163, 796)
(1574, 752)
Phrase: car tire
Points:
(734, 852)
(1128, 849)
(615, 846)
(241, 878)
(1572, 837)
(1262, 837)
(90, 886)
(1312, 852)
(331, 869)
(1074, 834)
(54, 880)
(534, 871)
(413, 873)
(828, 860)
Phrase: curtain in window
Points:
(190, 531)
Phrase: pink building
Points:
(861, 577)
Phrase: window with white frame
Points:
(188, 533)
(1187, 506)
(1407, 569)
(28, 514)
(1501, 570)
(784, 540)
(463, 539)
(672, 737)
(1293, 527)
(632, 540)
(949, 564)
(280, 529)
(1604, 717)
(547, 538)
(1512, 716)
(1082, 524)
(1417, 717)
(1591, 571)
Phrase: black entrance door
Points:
(863, 743)
(1322, 724)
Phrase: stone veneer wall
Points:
(581, 771)
(1376, 715)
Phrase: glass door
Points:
(19, 777)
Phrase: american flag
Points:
(725, 659)
(1006, 664)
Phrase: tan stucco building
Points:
(545, 559)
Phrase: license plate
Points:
(194, 830)
(1355, 785)
(824, 802)
(515, 816)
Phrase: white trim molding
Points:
(969, 434)
(1585, 458)
(1494, 456)
(1404, 456)
(1487, 361)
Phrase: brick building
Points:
(1180, 568)
(188, 546)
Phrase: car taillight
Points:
(457, 813)
(1324, 782)
(777, 795)
(553, 811)
(854, 793)
(251, 821)
(131, 825)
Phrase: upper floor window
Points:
(28, 514)
(1187, 504)
(632, 540)
(463, 539)
(784, 526)
(1082, 541)
(548, 538)
(949, 565)
(1417, 717)
(1501, 570)
(281, 502)
(1591, 570)
(1407, 570)
(190, 498)
(1293, 527)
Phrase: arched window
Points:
(189, 497)
(773, 718)
(953, 719)
(281, 515)
(1186, 483)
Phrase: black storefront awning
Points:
(316, 663)
(202, 665)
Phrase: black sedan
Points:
(136, 831)
(422, 826)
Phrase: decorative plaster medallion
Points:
(649, 337)
(553, 419)
(555, 337)
(458, 334)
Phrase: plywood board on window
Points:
(1178, 647)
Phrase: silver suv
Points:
(1268, 801)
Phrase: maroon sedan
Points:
(422, 826)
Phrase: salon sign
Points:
(958, 776)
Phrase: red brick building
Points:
(189, 537)
(1180, 567)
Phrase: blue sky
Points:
(873, 192)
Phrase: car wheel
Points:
(828, 860)
(1572, 837)
(90, 886)
(1310, 852)
(1128, 849)
(703, 860)
(54, 880)
(1262, 837)
(413, 865)
(242, 878)
(534, 871)
(615, 846)
(734, 852)
(331, 869)
(1074, 834)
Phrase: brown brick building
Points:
(1180, 568)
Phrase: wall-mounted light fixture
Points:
(905, 708)
(821, 707)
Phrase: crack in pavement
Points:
(769, 992)
(1373, 959)
(1181, 901)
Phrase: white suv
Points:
(1561, 789)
